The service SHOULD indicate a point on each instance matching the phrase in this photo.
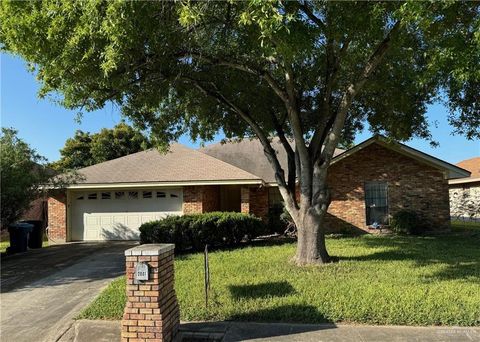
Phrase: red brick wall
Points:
(211, 198)
(151, 312)
(411, 185)
(258, 202)
(200, 199)
(57, 217)
(36, 210)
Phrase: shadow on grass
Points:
(292, 313)
(459, 255)
(264, 290)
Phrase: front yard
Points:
(378, 280)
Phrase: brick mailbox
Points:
(151, 313)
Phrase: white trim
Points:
(464, 180)
(147, 185)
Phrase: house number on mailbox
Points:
(141, 271)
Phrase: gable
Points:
(450, 170)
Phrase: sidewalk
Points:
(100, 331)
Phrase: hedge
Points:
(193, 232)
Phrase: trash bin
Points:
(35, 238)
(18, 237)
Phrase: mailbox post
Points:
(151, 312)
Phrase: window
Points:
(119, 195)
(106, 195)
(160, 194)
(133, 194)
(173, 196)
(376, 203)
(147, 194)
(80, 197)
(92, 196)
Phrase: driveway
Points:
(43, 290)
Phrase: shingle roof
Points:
(248, 155)
(472, 165)
(179, 164)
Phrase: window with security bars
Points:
(376, 203)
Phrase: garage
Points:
(118, 214)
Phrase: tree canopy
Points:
(21, 176)
(86, 149)
(313, 71)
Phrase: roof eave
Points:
(129, 185)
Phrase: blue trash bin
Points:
(18, 237)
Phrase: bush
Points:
(195, 231)
(405, 222)
(275, 222)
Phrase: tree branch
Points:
(305, 9)
(268, 149)
(333, 137)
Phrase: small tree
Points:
(312, 71)
(21, 176)
(86, 149)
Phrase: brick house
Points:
(465, 193)
(369, 183)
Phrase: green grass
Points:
(464, 226)
(378, 280)
(5, 244)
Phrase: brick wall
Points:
(411, 185)
(211, 198)
(57, 217)
(151, 312)
(258, 202)
(201, 199)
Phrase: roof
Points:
(472, 165)
(242, 162)
(248, 155)
(453, 171)
(179, 165)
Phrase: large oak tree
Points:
(311, 71)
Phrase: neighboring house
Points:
(465, 193)
(368, 183)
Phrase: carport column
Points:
(152, 312)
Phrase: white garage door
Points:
(117, 215)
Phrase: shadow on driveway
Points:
(21, 271)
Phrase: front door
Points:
(376, 203)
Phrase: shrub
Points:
(405, 222)
(275, 222)
(197, 230)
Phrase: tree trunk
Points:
(311, 248)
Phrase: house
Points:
(368, 183)
(465, 193)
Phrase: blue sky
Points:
(46, 126)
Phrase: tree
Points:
(86, 149)
(21, 176)
(312, 71)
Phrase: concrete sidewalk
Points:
(103, 331)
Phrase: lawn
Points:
(5, 244)
(378, 280)
(465, 226)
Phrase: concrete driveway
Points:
(42, 290)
